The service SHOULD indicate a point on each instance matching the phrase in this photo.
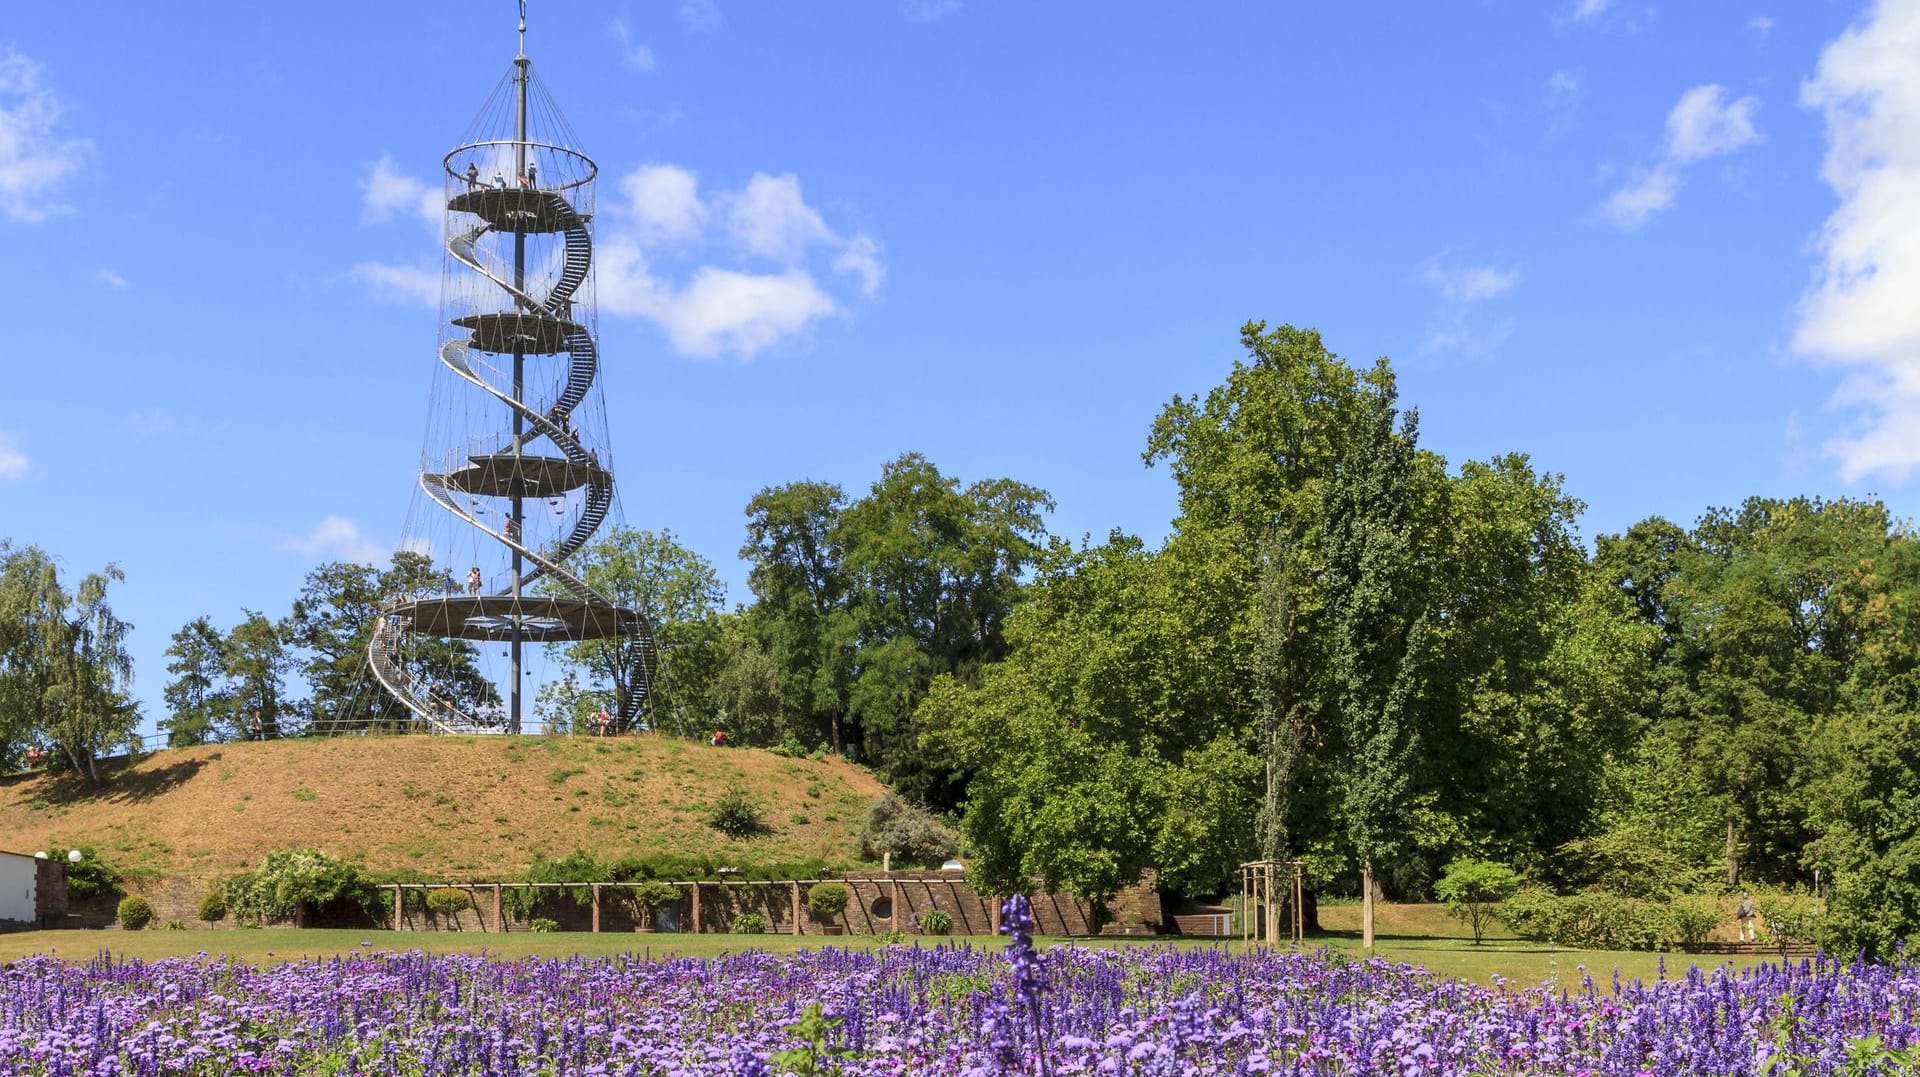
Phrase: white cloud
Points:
(1470, 284)
(1589, 10)
(664, 201)
(386, 191)
(721, 311)
(148, 425)
(1859, 313)
(708, 310)
(862, 259)
(1705, 124)
(633, 53)
(414, 286)
(1701, 125)
(1461, 339)
(771, 219)
(1633, 205)
(1761, 25)
(109, 278)
(338, 538)
(13, 459)
(34, 158)
(928, 10)
(700, 16)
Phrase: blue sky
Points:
(1670, 250)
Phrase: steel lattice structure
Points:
(516, 473)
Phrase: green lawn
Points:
(1520, 963)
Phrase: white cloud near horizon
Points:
(1860, 312)
(634, 54)
(403, 285)
(338, 538)
(386, 191)
(1702, 124)
(1470, 284)
(13, 458)
(1460, 288)
(109, 278)
(34, 157)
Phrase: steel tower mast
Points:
(504, 435)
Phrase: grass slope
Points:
(463, 807)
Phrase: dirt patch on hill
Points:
(475, 807)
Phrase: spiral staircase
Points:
(516, 324)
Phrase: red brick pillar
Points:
(399, 905)
(696, 908)
(993, 911)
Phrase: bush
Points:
(826, 900)
(213, 908)
(1790, 919)
(907, 832)
(543, 926)
(292, 878)
(936, 922)
(655, 895)
(736, 816)
(578, 866)
(1471, 889)
(448, 903)
(749, 923)
(91, 875)
(1692, 917)
(1595, 920)
(135, 913)
(176, 925)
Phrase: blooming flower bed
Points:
(954, 1010)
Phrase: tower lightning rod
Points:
(517, 504)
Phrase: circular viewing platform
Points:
(533, 618)
(538, 476)
(517, 209)
(519, 331)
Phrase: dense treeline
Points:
(1347, 651)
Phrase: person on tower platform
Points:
(473, 175)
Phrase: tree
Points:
(65, 672)
(681, 595)
(1471, 888)
(1377, 590)
(257, 660)
(800, 615)
(200, 704)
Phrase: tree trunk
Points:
(834, 717)
(1733, 857)
(1366, 903)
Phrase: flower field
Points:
(953, 1010)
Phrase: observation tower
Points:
(516, 472)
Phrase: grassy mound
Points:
(466, 807)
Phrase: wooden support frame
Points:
(1271, 886)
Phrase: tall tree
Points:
(65, 672)
(681, 595)
(801, 615)
(1377, 589)
(258, 661)
(200, 704)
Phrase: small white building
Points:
(32, 890)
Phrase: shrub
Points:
(578, 866)
(448, 902)
(213, 908)
(735, 815)
(897, 826)
(1471, 889)
(655, 895)
(135, 913)
(1789, 918)
(1692, 917)
(936, 922)
(91, 875)
(292, 878)
(540, 925)
(176, 925)
(749, 923)
(826, 900)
